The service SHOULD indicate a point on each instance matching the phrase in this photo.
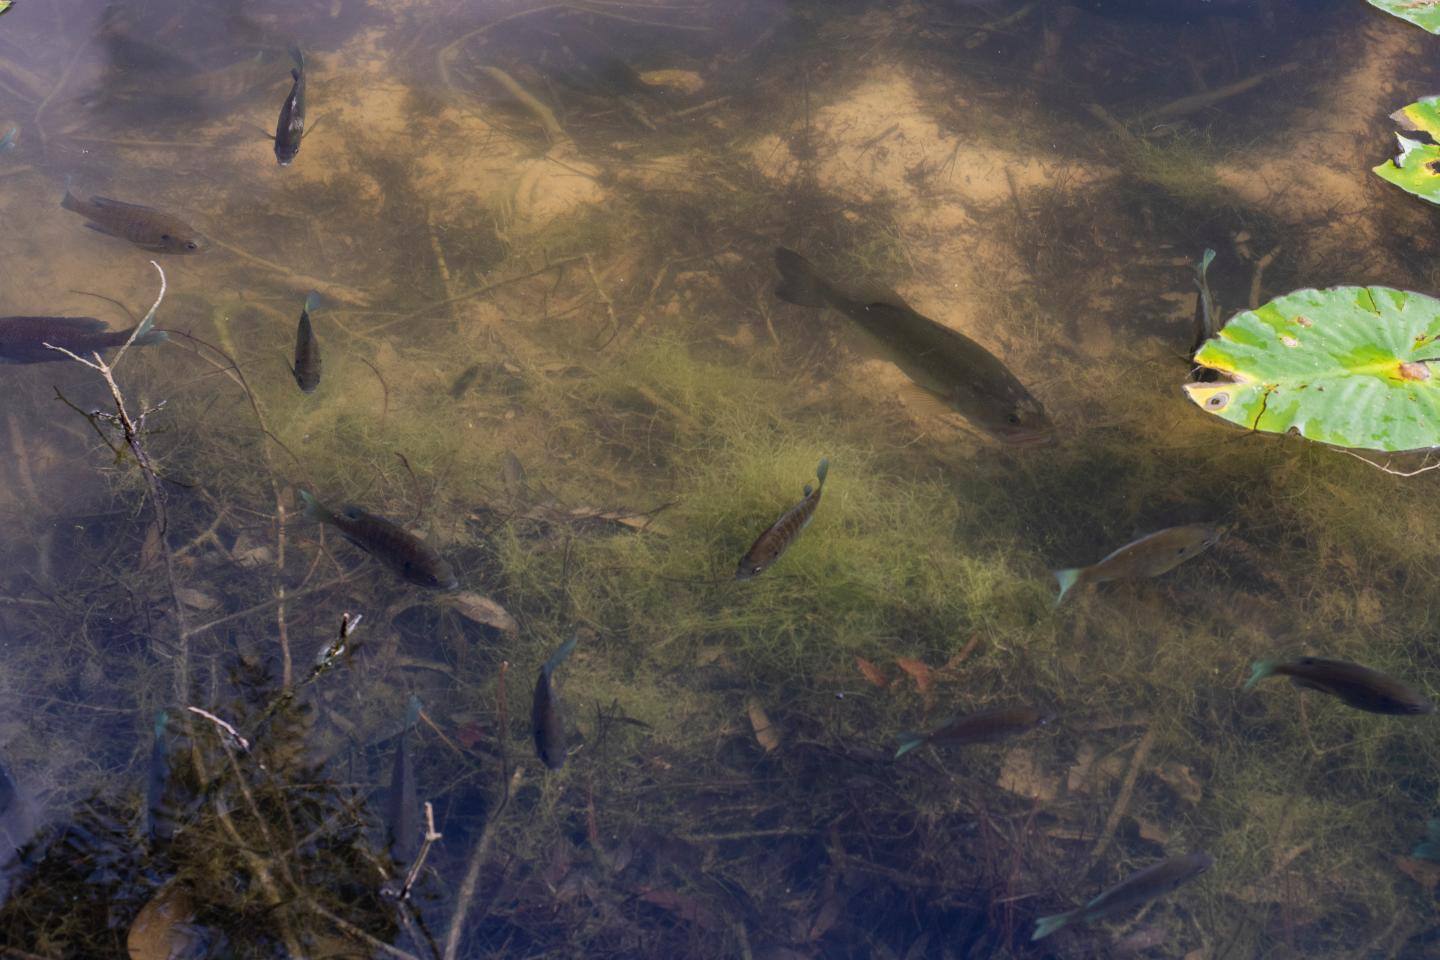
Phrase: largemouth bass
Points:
(768, 547)
(146, 227)
(401, 551)
(23, 339)
(949, 368)
(1154, 881)
(1356, 686)
(291, 128)
(984, 726)
(307, 349)
(1149, 556)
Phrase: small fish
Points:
(949, 369)
(403, 802)
(307, 349)
(8, 141)
(1149, 556)
(160, 813)
(547, 719)
(291, 128)
(768, 547)
(512, 471)
(983, 726)
(1154, 881)
(146, 227)
(23, 339)
(1429, 848)
(1356, 686)
(463, 382)
(400, 550)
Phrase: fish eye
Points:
(166, 237)
(1013, 419)
(192, 245)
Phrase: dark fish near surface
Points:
(23, 339)
(983, 726)
(19, 820)
(403, 803)
(949, 368)
(307, 349)
(783, 532)
(160, 814)
(1154, 881)
(1356, 686)
(400, 550)
(547, 719)
(146, 227)
(1150, 556)
(291, 128)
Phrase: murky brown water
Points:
(542, 238)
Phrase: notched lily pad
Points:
(1416, 169)
(1348, 366)
(1423, 13)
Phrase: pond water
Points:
(543, 238)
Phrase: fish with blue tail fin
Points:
(1152, 882)
(1149, 556)
(983, 726)
(403, 802)
(776, 539)
(1354, 685)
(403, 552)
(11, 138)
(290, 129)
(24, 339)
(547, 717)
(948, 369)
(307, 348)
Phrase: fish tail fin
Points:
(1067, 579)
(821, 471)
(412, 711)
(298, 56)
(908, 741)
(151, 337)
(314, 509)
(312, 302)
(1048, 925)
(558, 657)
(161, 719)
(68, 201)
(1259, 671)
(799, 282)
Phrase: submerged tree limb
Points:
(530, 102)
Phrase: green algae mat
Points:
(1417, 168)
(1349, 366)
(1423, 13)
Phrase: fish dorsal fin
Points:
(118, 204)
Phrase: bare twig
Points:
(229, 731)
(431, 836)
(1259, 274)
(1127, 789)
(1426, 468)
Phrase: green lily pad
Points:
(1349, 366)
(1423, 13)
(1417, 168)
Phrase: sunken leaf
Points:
(1349, 366)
